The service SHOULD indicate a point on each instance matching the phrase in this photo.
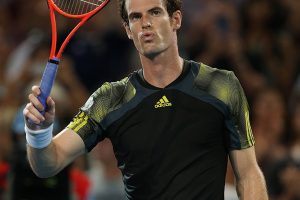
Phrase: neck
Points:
(162, 69)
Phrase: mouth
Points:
(147, 36)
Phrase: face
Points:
(150, 27)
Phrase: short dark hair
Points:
(171, 6)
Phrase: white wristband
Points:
(39, 138)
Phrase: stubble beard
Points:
(153, 52)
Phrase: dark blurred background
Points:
(257, 39)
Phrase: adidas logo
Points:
(163, 102)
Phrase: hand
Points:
(33, 118)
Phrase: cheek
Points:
(135, 37)
(165, 33)
(134, 32)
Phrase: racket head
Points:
(77, 8)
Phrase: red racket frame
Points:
(83, 17)
(52, 65)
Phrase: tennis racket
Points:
(81, 10)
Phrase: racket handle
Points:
(47, 81)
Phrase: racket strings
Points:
(77, 7)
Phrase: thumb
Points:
(50, 106)
(50, 112)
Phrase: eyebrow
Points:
(150, 10)
(133, 14)
(155, 8)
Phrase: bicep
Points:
(69, 146)
(250, 181)
(244, 162)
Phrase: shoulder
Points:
(112, 88)
(208, 75)
(216, 82)
(111, 94)
(221, 84)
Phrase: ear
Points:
(128, 31)
(176, 20)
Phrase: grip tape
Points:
(48, 81)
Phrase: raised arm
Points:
(250, 182)
(48, 156)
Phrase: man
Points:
(172, 123)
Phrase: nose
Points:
(146, 22)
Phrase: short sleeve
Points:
(238, 124)
(87, 122)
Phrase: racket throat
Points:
(54, 60)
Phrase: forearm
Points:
(43, 161)
(41, 150)
(63, 149)
(48, 155)
(252, 186)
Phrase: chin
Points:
(151, 53)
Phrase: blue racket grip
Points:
(47, 81)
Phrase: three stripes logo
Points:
(163, 102)
(78, 121)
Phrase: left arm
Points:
(250, 182)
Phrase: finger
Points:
(30, 112)
(50, 105)
(32, 118)
(50, 113)
(36, 90)
(33, 110)
(35, 101)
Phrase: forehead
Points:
(143, 5)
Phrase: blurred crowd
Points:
(257, 39)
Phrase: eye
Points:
(155, 12)
(134, 17)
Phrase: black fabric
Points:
(173, 142)
(174, 152)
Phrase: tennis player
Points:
(173, 124)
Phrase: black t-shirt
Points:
(173, 142)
